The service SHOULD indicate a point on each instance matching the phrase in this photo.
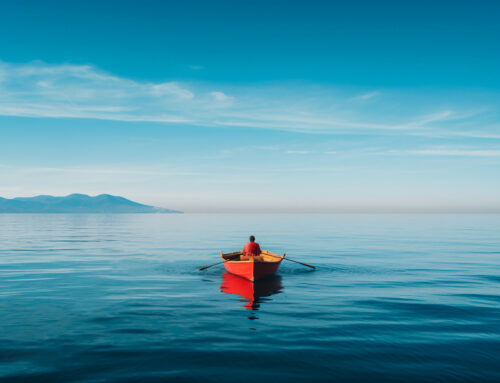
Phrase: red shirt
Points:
(251, 248)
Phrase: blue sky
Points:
(254, 106)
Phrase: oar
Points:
(218, 263)
(214, 264)
(291, 260)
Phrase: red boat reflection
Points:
(251, 291)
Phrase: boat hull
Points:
(251, 269)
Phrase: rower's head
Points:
(252, 238)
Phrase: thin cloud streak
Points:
(40, 90)
(366, 96)
(119, 170)
(450, 152)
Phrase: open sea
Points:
(119, 298)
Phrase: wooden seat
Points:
(257, 258)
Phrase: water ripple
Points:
(96, 298)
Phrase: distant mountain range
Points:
(77, 203)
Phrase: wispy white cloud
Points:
(118, 170)
(41, 90)
(220, 96)
(478, 134)
(220, 101)
(171, 89)
(366, 96)
(457, 152)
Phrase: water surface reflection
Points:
(254, 293)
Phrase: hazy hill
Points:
(76, 203)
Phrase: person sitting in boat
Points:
(251, 250)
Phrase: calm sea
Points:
(118, 298)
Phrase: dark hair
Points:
(252, 238)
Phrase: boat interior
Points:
(265, 256)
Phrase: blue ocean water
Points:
(118, 298)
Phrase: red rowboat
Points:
(255, 268)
